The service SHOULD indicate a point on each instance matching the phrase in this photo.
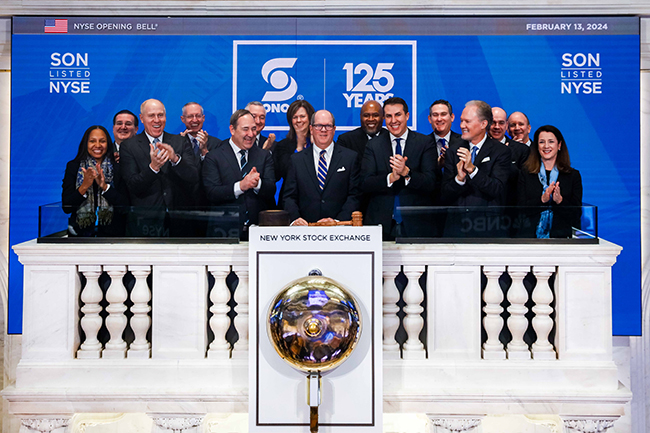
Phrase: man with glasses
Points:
(322, 184)
(199, 141)
(125, 126)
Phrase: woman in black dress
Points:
(92, 187)
(549, 182)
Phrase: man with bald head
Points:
(519, 152)
(372, 119)
(196, 137)
(160, 172)
(323, 181)
(519, 127)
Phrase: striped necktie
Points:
(322, 170)
(474, 152)
(195, 145)
(242, 161)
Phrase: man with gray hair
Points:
(476, 172)
(257, 110)
(196, 137)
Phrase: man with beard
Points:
(372, 119)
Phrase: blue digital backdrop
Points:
(579, 74)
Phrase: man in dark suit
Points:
(125, 126)
(195, 136)
(476, 174)
(519, 128)
(519, 152)
(322, 184)
(398, 169)
(201, 143)
(258, 112)
(160, 172)
(240, 173)
(372, 119)
(441, 116)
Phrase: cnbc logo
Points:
(69, 73)
(336, 75)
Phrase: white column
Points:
(91, 296)
(140, 321)
(413, 322)
(241, 320)
(219, 322)
(493, 322)
(116, 320)
(517, 322)
(542, 322)
(390, 310)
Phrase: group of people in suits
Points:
(393, 174)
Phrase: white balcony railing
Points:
(469, 331)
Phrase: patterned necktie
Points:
(155, 141)
(242, 161)
(322, 170)
(442, 142)
(398, 147)
(474, 152)
(195, 145)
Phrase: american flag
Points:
(56, 26)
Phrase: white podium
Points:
(352, 393)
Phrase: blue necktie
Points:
(397, 215)
(243, 162)
(474, 152)
(442, 142)
(195, 145)
(322, 170)
(155, 141)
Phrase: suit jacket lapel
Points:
(387, 149)
(483, 153)
(231, 158)
(307, 156)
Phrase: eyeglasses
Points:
(323, 127)
(193, 116)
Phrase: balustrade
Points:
(469, 338)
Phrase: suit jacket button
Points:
(322, 201)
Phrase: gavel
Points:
(357, 221)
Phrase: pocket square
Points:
(340, 169)
(486, 159)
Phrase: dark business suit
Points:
(340, 195)
(455, 140)
(156, 195)
(171, 187)
(375, 169)
(486, 190)
(116, 196)
(221, 171)
(356, 140)
(488, 186)
(565, 215)
(519, 153)
(212, 144)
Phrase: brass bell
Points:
(314, 324)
